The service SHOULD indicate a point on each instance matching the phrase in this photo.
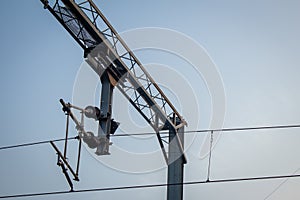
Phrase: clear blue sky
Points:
(255, 45)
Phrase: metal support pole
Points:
(175, 165)
(105, 115)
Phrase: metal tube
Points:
(76, 107)
(78, 158)
(67, 135)
(64, 170)
(66, 108)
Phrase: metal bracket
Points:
(65, 166)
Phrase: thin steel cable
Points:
(36, 143)
(247, 128)
(149, 186)
(214, 130)
(152, 133)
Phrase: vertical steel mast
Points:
(117, 66)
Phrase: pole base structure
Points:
(176, 163)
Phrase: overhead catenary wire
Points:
(152, 133)
(216, 130)
(36, 143)
(154, 185)
(149, 186)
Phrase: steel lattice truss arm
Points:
(106, 51)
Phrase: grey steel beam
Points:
(176, 163)
(104, 128)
